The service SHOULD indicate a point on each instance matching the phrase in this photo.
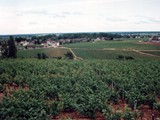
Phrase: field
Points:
(97, 84)
(111, 54)
(113, 49)
(123, 44)
(99, 50)
(50, 52)
(51, 87)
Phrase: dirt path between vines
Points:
(146, 53)
(143, 109)
(74, 55)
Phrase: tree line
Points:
(88, 35)
(8, 48)
(64, 36)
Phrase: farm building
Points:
(50, 43)
(155, 39)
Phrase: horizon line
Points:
(78, 32)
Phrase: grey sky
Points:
(47, 16)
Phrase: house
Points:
(50, 43)
(23, 43)
(30, 46)
(55, 44)
(155, 39)
(97, 39)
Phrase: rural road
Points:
(75, 57)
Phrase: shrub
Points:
(157, 106)
(127, 113)
(122, 57)
(1, 87)
(69, 55)
(116, 116)
(23, 105)
(1, 70)
(5, 78)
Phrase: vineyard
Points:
(113, 54)
(118, 45)
(33, 89)
(114, 49)
(50, 52)
(98, 50)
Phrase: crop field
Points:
(114, 49)
(99, 50)
(45, 89)
(50, 52)
(111, 54)
(103, 84)
(124, 44)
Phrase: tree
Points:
(69, 55)
(4, 49)
(39, 56)
(12, 50)
(44, 56)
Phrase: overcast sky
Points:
(54, 16)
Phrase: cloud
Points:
(32, 11)
(115, 19)
(43, 12)
(56, 15)
(148, 20)
(77, 13)
(33, 23)
(66, 13)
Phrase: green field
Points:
(56, 86)
(98, 50)
(37, 89)
(124, 44)
(112, 49)
(50, 52)
(109, 54)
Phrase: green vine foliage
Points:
(127, 114)
(82, 86)
(1, 87)
(23, 106)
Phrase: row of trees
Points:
(8, 48)
(77, 35)
(70, 36)
(88, 35)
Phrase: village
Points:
(36, 44)
(52, 40)
(28, 43)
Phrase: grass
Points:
(124, 44)
(98, 50)
(108, 54)
(50, 52)
(112, 49)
